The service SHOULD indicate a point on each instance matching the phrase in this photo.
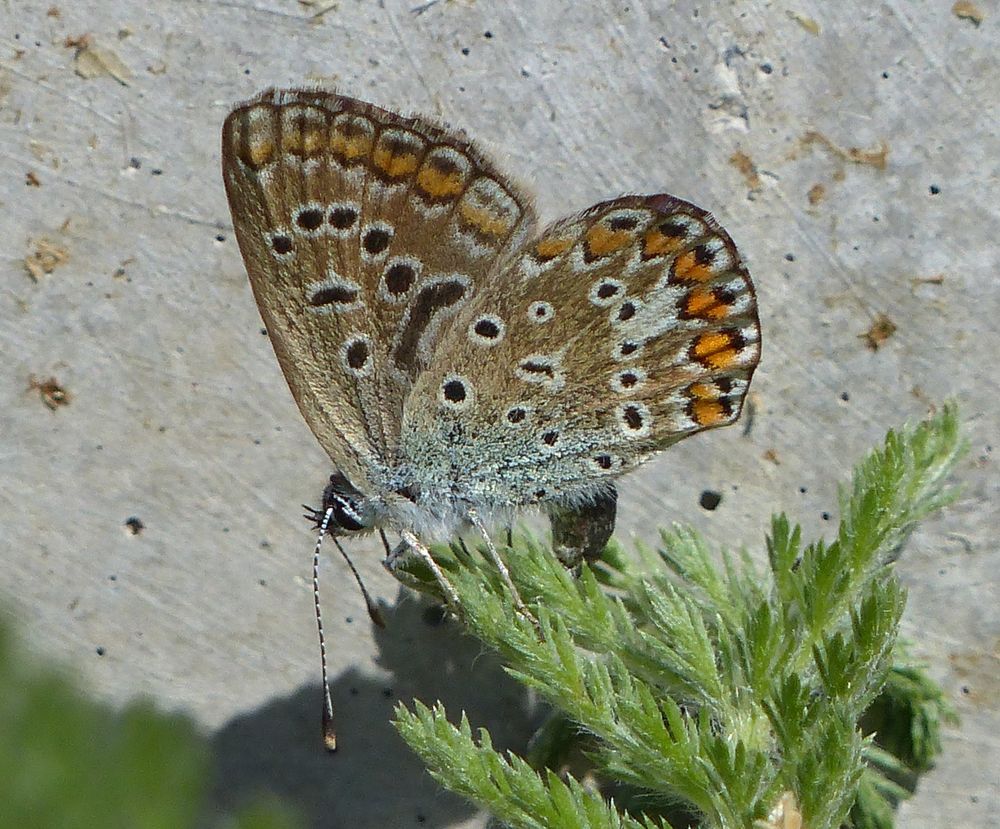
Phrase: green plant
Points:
(729, 694)
(68, 761)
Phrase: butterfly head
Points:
(351, 510)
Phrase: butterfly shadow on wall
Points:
(374, 779)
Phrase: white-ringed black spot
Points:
(333, 295)
(399, 278)
(541, 311)
(342, 216)
(486, 330)
(634, 419)
(309, 218)
(516, 415)
(540, 367)
(281, 244)
(376, 238)
(550, 438)
(628, 380)
(625, 222)
(626, 350)
(626, 311)
(603, 462)
(606, 292)
(456, 391)
(356, 354)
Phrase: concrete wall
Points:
(851, 149)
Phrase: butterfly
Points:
(457, 363)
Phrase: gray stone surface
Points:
(178, 414)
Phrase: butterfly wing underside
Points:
(611, 335)
(363, 234)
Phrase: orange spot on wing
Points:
(703, 391)
(656, 243)
(698, 302)
(686, 268)
(291, 141)
(601, 241)
(483, 220)
(394, 165)
(551, 247)
(717, 350)
(303, 130)
(350, 141)
(708, 344)
(706, 304)
(312, 142)
(302, 142)
(723, 359)
(708, 412)
(258, 153)
(440, 184)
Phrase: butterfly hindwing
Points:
(612, 334)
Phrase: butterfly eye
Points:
(341, 497)
(345, 516)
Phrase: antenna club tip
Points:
(376, 615)
(329, 735)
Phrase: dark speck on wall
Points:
(710, 499)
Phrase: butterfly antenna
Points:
(373, 611)
(329, 735)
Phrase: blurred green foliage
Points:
(68, 762)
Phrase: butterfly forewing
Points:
(363, 234)
(611, 335)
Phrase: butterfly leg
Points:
(499, 564)
(413, 544)
(582, 532)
